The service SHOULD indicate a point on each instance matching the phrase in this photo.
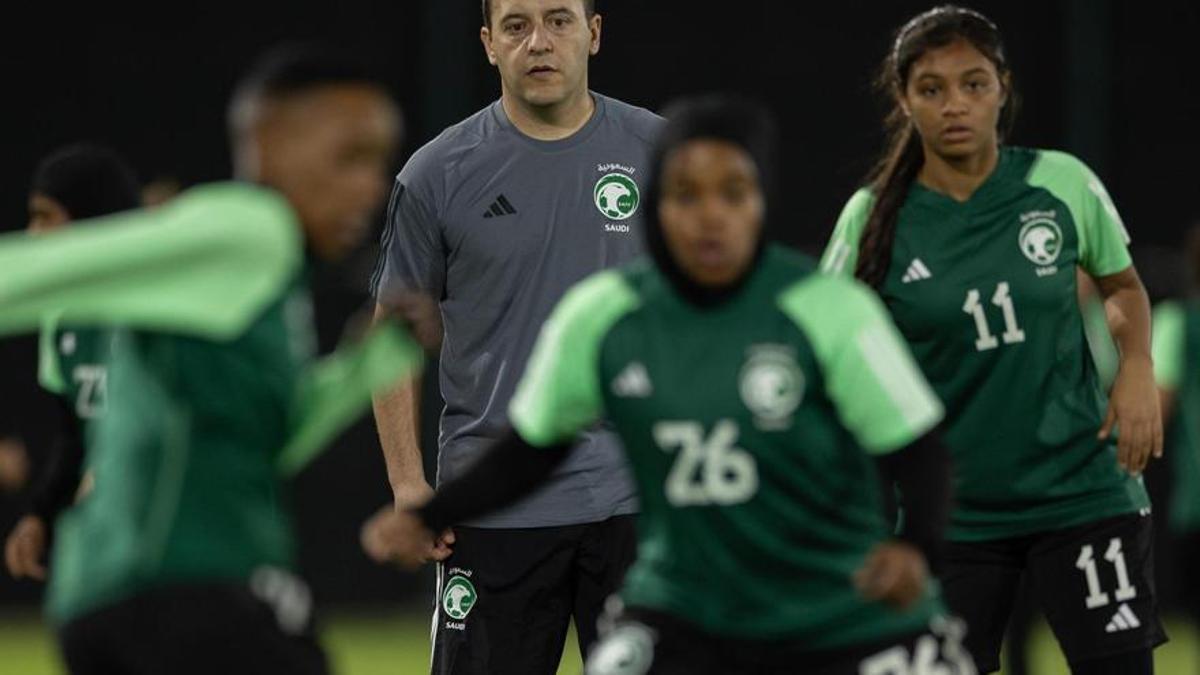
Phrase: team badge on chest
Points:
(1041, 240)
(771, 385)
(617, 195)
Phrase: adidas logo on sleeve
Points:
(917, 271)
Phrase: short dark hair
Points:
(87, 180)
(294, 68)
(589, 6)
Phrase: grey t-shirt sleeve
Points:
(412, 253)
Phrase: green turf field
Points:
(381, 644)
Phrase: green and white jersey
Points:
(985, 293)
(213, 390)
(72, 363)
(749, 429)
(1176, 349)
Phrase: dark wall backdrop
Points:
(1113, 81)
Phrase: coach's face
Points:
(541, 47)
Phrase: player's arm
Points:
(205, 265)
(884, 401)
(1133, 404)
(25, 548)
(1133, 407)
(335, 390)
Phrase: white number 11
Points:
(1002, 299)
(1087, 563)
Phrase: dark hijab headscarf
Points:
(713, 117)
(88, 181)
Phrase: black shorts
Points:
(642, 642)
(200, 630)
(1095, 582)
(505, 597)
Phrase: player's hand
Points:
(398, 537)
(415, 495)
(14, 465)
(894, 573)
(420, 314)
(25, 549)
(1133, 409)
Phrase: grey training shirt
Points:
(498, 226)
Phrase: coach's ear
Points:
(595, 24)
(485, 36)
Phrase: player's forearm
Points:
(336, 390)
(56, 488)
(397, 412)
(922, 472)
(510, 470)
(1127, 308)
(205, 266)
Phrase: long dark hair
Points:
(895, 171)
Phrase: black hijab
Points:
(716, 117)
(88, 181)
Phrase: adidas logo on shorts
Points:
(1124, 619)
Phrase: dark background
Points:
(1113, 82)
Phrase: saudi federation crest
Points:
(617, 196)
(458, 598)
(1041, 240)
(771, 385)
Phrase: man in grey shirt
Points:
(495, 219)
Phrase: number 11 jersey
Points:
(985, 293)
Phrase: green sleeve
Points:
(559, 395)
(1103, 240)
(336, 390)
(207, 264)
(841, 254)
(50, 374)
(1167, 344)
(880, 395)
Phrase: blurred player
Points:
(181, 559)
(754, 398)
(973, 247)
(1177, 370)
(496, 218)
(74, 183)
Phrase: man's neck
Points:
(958, 177)
(553, 122)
